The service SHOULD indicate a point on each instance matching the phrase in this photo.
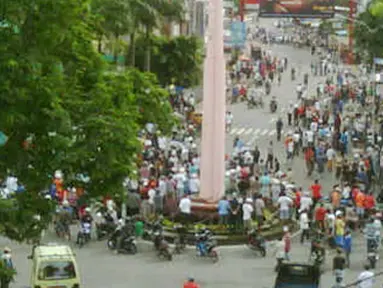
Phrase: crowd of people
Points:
(335, 129)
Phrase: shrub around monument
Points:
(272, 230)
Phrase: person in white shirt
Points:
(366, 278)
(247, 211)
(330, 221)
(314, 126)
(279, 253)
(162, 186)
(151, 195)
(310, 137)
(229, 120)
(194, 184)
(185, 205)
(330, 154)
(306, 202)
(304, 225)
(180, 178)
(284, 203)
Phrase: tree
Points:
(367, 28)
(176, 60)
(162, 11)
(62, 109)
(113, 19)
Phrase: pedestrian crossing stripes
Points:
(251, 135)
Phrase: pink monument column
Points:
(213, 125)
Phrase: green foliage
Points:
(17, 216)
(376, 8)
(175, 60)
(62, 109)
(366, 35)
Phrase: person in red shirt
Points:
(316, 190)
(297, 201)
(369, 203)
(320, 215)
(191, 284)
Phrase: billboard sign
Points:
(251, 5)
(238, 34)
(297, 8)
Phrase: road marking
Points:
(240, 131)
(256, 131)
(264, 132)
(272, 132)
(233, 131)
(248, 131)
(252, 141)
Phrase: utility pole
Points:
(242, 10)
(351, 16)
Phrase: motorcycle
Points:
(372, 253)
(205, 245)
(317, 253)
(273, 106)
(128, 244)
(180, 240)
(256, 242)
(104, 230)
(83, 235)
(161, 245)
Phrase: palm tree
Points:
(162, 11)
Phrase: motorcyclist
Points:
(203, 237)
(370, 233)
(306, 79)
(378, 228)
(317, 248)
(268, 86)
(86, 224)
(126, 229)
(273, 104)
(279, 126)
(62, 223)
(87, 217)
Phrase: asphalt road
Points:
(237, 267)
(258, 126)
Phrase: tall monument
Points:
(214, 108)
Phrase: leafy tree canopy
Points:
(367, 29)
(175, 60)
(61, 108)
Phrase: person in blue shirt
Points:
(265, 184)
(347, 246)
(223, 211)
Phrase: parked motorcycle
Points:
(205, 244)
(256, 242)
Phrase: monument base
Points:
(204, 210)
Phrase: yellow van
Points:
(54, 266)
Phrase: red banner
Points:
(251, 4)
